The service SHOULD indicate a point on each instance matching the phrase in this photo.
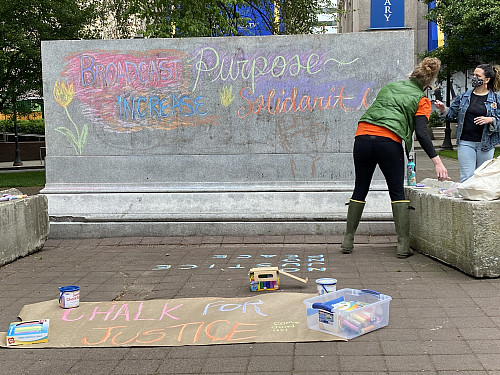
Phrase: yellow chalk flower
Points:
(63, 94)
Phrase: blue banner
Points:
(255, 24)
(435, 37)
(387, 14)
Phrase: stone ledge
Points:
(25, 226)
(458, 232)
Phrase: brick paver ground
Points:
(441, 320)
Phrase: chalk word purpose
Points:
(212, 65)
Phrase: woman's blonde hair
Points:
(493, 73)
(426, 71)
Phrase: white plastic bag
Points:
(484, 185)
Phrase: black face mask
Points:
(476, 82)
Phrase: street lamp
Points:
(447, 131)
(17, 157)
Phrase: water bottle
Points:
(410, 172)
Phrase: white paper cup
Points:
(326, 285)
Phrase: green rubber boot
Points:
(353, 216)
(401, 213)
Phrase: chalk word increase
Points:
(132, 108)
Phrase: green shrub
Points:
(24, 126)
(434, 120)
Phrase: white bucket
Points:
(326, 285)
(69, 297)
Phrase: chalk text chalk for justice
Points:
(185, 332)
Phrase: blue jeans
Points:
(471, 157)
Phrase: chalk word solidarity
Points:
(293, 103)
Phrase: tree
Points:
(192, 18)
(472, 35)
(24, 24)
(111, 20)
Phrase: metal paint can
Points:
(69, 296)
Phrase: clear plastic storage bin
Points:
(348, 313)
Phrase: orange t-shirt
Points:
(365, 128)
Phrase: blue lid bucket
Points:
(69, 296)
(326, 285)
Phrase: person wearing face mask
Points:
(477, 113)
(400, 109)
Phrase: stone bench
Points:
(24, 225)
(458, 232)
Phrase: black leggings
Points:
(388, 154)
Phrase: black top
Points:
(423, 136)
(472, 132)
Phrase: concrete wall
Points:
(456, 231)
(24, 226)
(239, 135)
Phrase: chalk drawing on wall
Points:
(64, 96)
(341, 63)
(302, 134)
(128, 92)
(226, 96)
(135, 92)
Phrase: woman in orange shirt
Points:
(400, 109)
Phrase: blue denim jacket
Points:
(491, 132)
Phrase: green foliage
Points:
(22, 179)
(194, 18)
(25, 23)
(471, 31)
(434, 120)
(24, 126)
(110, 21)
(299, 16)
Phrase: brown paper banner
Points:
(265, 317)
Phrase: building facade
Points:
(370, 15)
